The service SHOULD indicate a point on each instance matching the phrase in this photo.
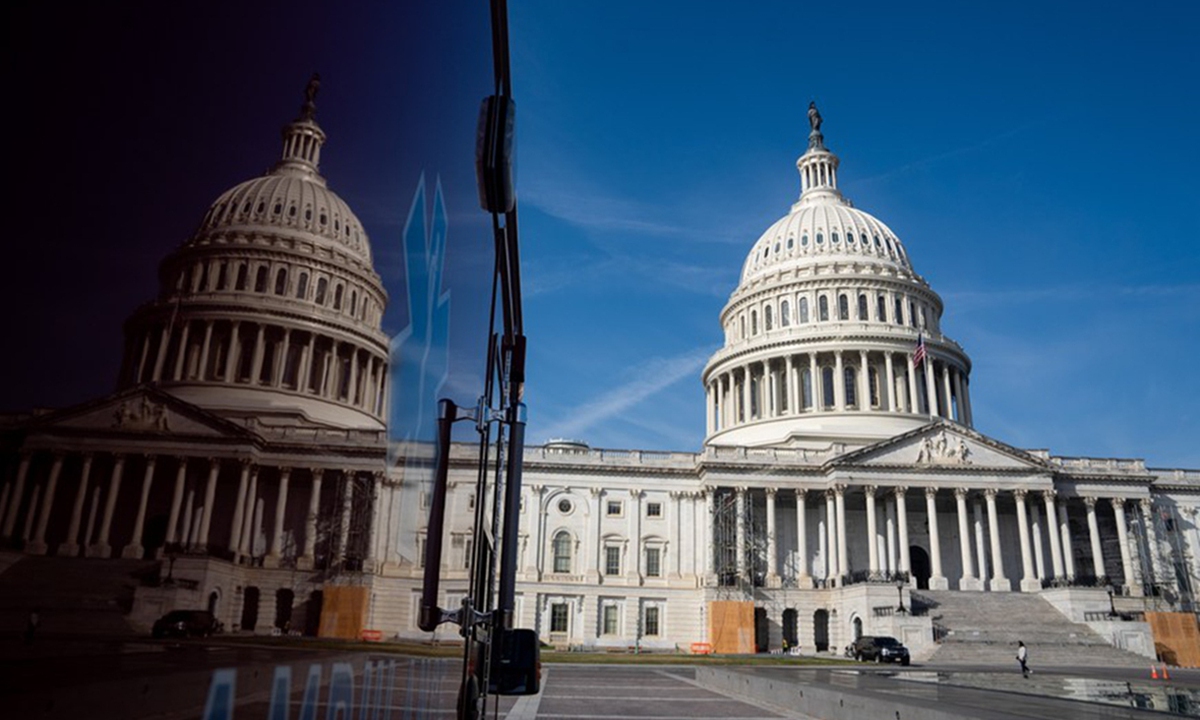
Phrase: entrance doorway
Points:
(857, 628)
(821, 630)
(762, 635)
(919, 561)
(250, 608)
(791, 627)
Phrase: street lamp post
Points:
(900, 592)
(1112, 608)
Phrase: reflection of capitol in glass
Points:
(840, 476)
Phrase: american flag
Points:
(919, 353)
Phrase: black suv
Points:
(186, 623)
(880, 648)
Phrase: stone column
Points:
(968, 581)
(914, 407)
(937, 581)
(966, 386)
(802, 577)
(164, 342)
(181, 354)
(1035, 528)
(307, 560)
(890, 372)
(948, 410)
(1064, 528)
(1094, 535)
(633, 571)
(210, 496)
(140, 377)
(889, 508)
(134, 549)
(347, 508)
(710, 568)
(239, 511)
(1118, 506)
(709, 409)
(839, 386)
(38, 545)
(872, 533)
(27, 528)
(1156, 572)
(958, 393)
(831, 566)
(70, 548)
(257, 358)
(1056, 555)
(249, 522)
(352, 387)
(999, 582)
(981, 552)
(902, 521)
(930, 385)
(101, 548)
(814, 384)
(773, 580)
(1029, 582)
(281, 361)
(176, 502)
(740, 560)
(864, 382)
(231, 353)
(14, 502)
(793, 402)
(186, 538)
(273, 555)
(842, 547)
(205, 346)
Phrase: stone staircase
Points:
(72, 595)
(982, 628)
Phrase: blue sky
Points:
(1037, 159)
(1038, 162)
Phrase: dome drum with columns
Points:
(821, 332)
(273, 302)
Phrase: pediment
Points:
(142, 410)
(943, 445)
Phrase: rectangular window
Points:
(654, 509)
(610, 620)
(614, 508)
(424, 500)
(467, 553)
(653, 562)
(421, 551)
(612, 560)
(558, 618)
(650, 625)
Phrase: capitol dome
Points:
(822, 331)
(272, 310)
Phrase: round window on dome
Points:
(278, 208)
(261, 207)
(292, 211)
(804, 240)
(324, 219)
(820, 238)
(308, 214)
(776, 248)
(834, 237)
(877, 243)
(791, 242)
(863, 237)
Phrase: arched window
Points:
(353, 302)
(823, 308)
(302, 286)
(742, 323)
(862, 307)
(281, 281)
(222, 275)
(768, 319)
(753, 322)
(203, 285)
(337, 298)
(785, 315)
(260, 279)
(791, 243)
(924, 323)
(241, 277)
(185, 281)
(806, 394)
(851, 385)
(562, 552)
(820, 238)
(912, 313)
(873, 384)
(827, 387)
(881, 309)
(899, 319)
(322, 288)
(804, 240)
(843, 307)
(803, 310)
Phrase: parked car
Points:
(186, 623)
(880, 648)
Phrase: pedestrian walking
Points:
(31, 626)
(1023, 657)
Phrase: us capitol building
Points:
(246, 449)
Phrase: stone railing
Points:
(596, 456)
(1100, 465)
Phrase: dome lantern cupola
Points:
(818, 166)
(303, 138)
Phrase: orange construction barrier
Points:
(701, 648)
(372, 635)
(1165, 675)
(1153, 672)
